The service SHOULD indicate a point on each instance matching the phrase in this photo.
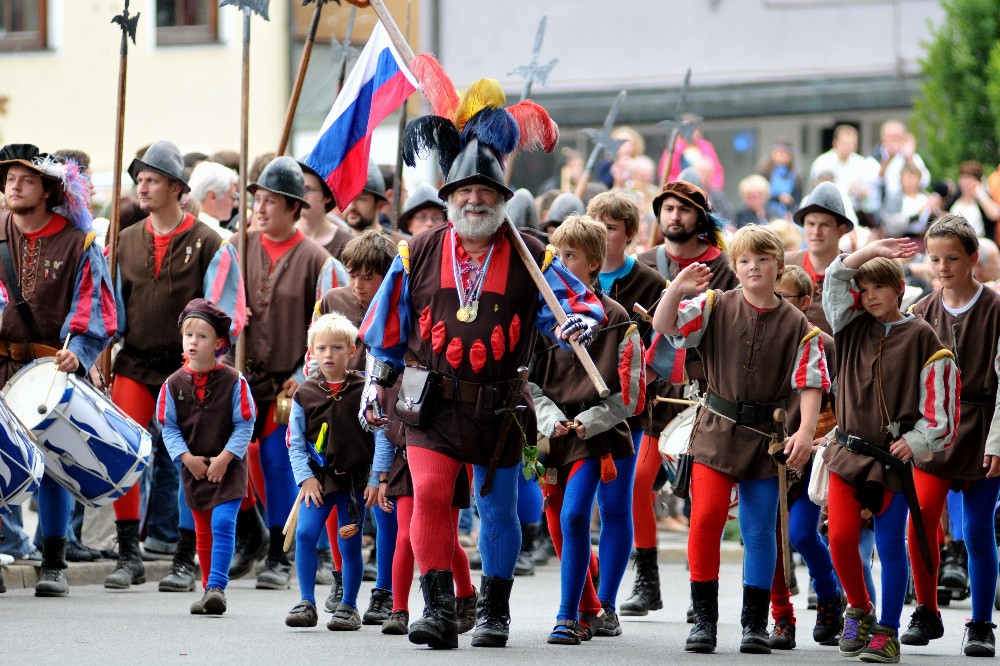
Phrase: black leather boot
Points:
(954, 572)
(754, 619)
(525, 565)
(437, 628)
(705, 597)
(493, 613)
(129, 570)
(251, 542)
(277, 571)
(52, 580)
(646, 590)
(180, 578)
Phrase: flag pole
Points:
(300, 77)
(543, 287)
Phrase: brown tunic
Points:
(206, 426)
(722, 278)
(49, 293)
(349, 447)
(341, 237)
(342, 300)
(972, 337)
(815, 312)
(281, 298)
(904, 352)
(486, 351)
(750, 356)
(564, 381)
(153, 303)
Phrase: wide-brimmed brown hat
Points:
(686, 192)
(30, 157)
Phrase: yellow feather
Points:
(478, 96)
(404, 254)
(550, 254)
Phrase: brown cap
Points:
(686, 192)
(205, 309)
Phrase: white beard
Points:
(476, 230)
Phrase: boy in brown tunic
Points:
(331, 457)
(966, 317)
(899, 364)
(207, 417)
(757, 349)
(591, 449)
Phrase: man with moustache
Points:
(460, 303)
(362, 214)
(164, 262)
(58, 285)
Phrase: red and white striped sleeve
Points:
(811, 370)
(940, 387)
(693, 316)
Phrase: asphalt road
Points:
(96, 626)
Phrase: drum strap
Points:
(14, 287)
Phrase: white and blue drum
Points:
(21, 463)
(92, 448)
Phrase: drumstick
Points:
(677, 401)
(292, 522)
(42, 408)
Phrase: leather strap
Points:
(742, 413)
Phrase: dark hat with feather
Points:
(474, 134)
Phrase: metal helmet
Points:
(563, 206)
(375, 185)
(327, 192)
(282, 175)
(825, 198)
(521, 210)
(28, 156)
(422, 196)
(690, 175)
(475, 164)
(164, 158)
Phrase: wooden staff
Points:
(300, 77)
(292, 522)
(127, 24)
(522, 250)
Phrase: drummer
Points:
(163, 262)
(52, 268)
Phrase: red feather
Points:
(437, 86)
(538, 130)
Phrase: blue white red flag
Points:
(379, 84)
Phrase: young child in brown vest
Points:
(592, 455)
(757, 349)
(331, 457)
(207, 416)
(896, 401)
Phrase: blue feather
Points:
(494, 127)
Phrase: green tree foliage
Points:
(957, 114)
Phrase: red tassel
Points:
(608, 470)
(437, 86)
(538, 130)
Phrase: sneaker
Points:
(610, 626)
(588, 624)
(858, 625)
(77, 552)
(276, 575)
(345, 618)
(924, 627)
(883, 647)
(302, 614)
(214, 601)
(829, 620)
(783, 635)
(379, 608)
(398, 623)
(979, 639)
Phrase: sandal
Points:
(587, 624)
(565, 632)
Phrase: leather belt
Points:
(742, 413)
(25, 352)
(488, 396)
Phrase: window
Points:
(186, 22)
(22, 25)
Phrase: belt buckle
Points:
(852, 443)
(740, 416)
